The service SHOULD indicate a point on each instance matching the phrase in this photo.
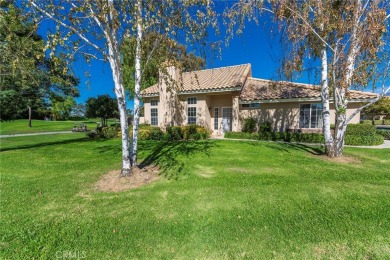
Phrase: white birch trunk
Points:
(137, 87)
(325, 102)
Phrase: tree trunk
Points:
(137, 88)
(340, 130)
(29, 116)
(325, 102)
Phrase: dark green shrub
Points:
(241, 135)
(265, 127)
(360, 129)
(365, 122)
(189, 132)
(365, 140)
(249, 125)
(384, 133)
(155, 133)
(174, 133)
(92, 134)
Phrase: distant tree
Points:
(162, 48)
(28, 79)
(78, 110)
(103, 107)
(382, 107)
(61, 109)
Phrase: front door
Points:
(226, 119)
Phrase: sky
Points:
(256, 45)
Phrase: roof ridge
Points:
(284, 81)
(231, 66)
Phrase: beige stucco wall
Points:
(283, 115)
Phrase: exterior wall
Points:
(282, 115)
(350, 109)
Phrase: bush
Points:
(366, 140)
(92, 134)
(189, 132)
(366, 122)
(386, 121)
(249, 125)
(155, 133)
(241, 135)
(109, 132)
(265, 127)
(174, 133)
(360, 129)
(202, 133)
(384, 133)
(377, 122)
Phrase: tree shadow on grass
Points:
(166, 155)
(287, 147)
(37, 145)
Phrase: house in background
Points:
(221, 98)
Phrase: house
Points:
(221, 98)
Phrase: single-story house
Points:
(221, 98)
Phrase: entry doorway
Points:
(226, 119)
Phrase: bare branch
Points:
(77, 32)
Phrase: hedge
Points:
(360, 129)
(367, 140)
(384, 133)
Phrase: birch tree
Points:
(96, 27)
(348, 37)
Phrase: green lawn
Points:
(20, 126)
(216, 199)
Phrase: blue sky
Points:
(255, 46)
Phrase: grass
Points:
(20, 126)
(216, 199)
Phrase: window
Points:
(154, 116)
(191, 115)
(191, 101)
(251, 105)
(216, 118)
(310, 116)
(154, 102)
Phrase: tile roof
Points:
(260, 89)
(210, 79)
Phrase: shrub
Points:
(265, 127)
(189, 132)
(365, 140)
(360, 129)
(174, 133)
(386, 121)
(384, 133)
(109, 132)
(92, 134)
(202, 133)
(241, 135)
(155, 133)
(249, 125)
(366, 122)
(377, 122)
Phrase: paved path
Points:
(40, 133)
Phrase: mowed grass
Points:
(20, 126)
(215, 199)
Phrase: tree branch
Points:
(83, 37)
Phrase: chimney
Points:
(169, 81)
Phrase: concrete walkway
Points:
(40, 133)
(385, 145)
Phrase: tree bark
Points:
(29, 117)
(325, 102)
(340, 131)
(137, 88)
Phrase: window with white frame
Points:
(191, 101)
(216, 112)
(191, 115)
(154, 102)
(154, 116)
(251, 105)
(310, 116)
